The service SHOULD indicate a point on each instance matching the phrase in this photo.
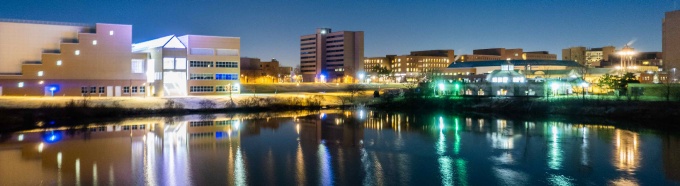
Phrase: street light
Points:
(52, 89)
(584, 85)
(554, 87)
(361, 77)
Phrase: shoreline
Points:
(654, 114)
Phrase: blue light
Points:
(52, 136)
(219, 135)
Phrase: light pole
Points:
(52, 89)
(584, 85)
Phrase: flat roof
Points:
(45, 22)
(472, 64)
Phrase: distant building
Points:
(490, 54)
(485, 67)
(328, 56)
(412, 67)
(671, 43)
(588, 56)
(254, 70)
(100, 60)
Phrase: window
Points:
(227, 52)
(222, 64)
(102, 89)
(58, 62)
(168, 63)
(40, 73)
(137, 66)
(20, 84)
(200, 64)
(93, 89)
(220, 89)
(134, 89)
(94, 42)
(126, 127)
(202, 51)
(234, 88)
(200, 76)
(83, 90)
(200, 123)
(77, 52)
(126, 90)
(226, 76)
(142, 89)
(134, 127)
(180, 63)
(201, 89)
(111, 32)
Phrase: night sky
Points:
(271, 29)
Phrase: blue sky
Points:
(271, 29)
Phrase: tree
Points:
(608, 82)
(354, 90)
(625, 80)
(382, 72)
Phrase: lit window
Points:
(58, 62)
(40, 73)
(137, 66)
(94, 42)
(20, 84)
(111, 32)
(77, 52)
(41, 82)
(168, 63)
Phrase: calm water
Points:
(339, 148)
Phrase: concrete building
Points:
(671, 43)
(328, 56)
(588, 56)
(485, 67)
(63, 59)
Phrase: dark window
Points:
(102, 89)
(126, 89)
(93, 89)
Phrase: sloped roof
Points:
(156, 43)
(473, 64)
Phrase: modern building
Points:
(671, 43)
(192, 65)
(328, 56)
(52, 58)
(490, 54)
(588, 56)
(40, 58)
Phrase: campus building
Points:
(490, 54)
(328, 56)
(412, 67)
(671, 43)
(254, 70)
(592, 57)
(64, 59)
(192, 65)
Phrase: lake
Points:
(358, 147)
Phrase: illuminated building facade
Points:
(328, 56)
(49, 58)
(592, 57)
(409, 68)
(66, 59)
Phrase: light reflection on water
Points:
(339, 148)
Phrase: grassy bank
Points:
(650, 112)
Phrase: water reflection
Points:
(359, 147)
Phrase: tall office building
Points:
(332, 56)
(671, 43)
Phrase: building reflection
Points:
(671, 157)
(626, 155)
